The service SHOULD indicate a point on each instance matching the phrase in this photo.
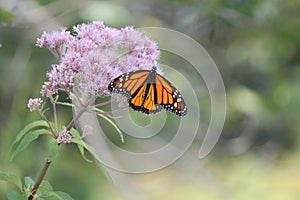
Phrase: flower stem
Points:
(103, 103)
(39, 180)
(55, 116)
(45, 118)
(48, 162)
(81, 111)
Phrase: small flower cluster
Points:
(94, 55)
(34, 104)
(64, 137)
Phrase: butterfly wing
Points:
(144, 100)
(168, 97)
(149, 92)
(127, 84)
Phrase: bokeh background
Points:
(256, 46)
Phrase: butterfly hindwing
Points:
(143, 100)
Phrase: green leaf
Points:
(14, 195)
(82, 152)
(28, 182)
(30, 126)
(64, 196)
(27, 139)
(82, 146)
(112, 123)
(53, 149)
(75, 134)
(64, 103)
(76, 137)
(44, 188)
(57, 196)
(27, 128)
(56, 98)
(89, 148)
(11, 178)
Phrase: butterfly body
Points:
(148, 92)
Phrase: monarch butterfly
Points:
(148, 92)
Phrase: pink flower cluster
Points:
(64, 137)
(94, 55)
(34, 104)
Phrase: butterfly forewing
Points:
(128, 83)
(169, 97)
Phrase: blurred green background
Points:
(256, 46)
